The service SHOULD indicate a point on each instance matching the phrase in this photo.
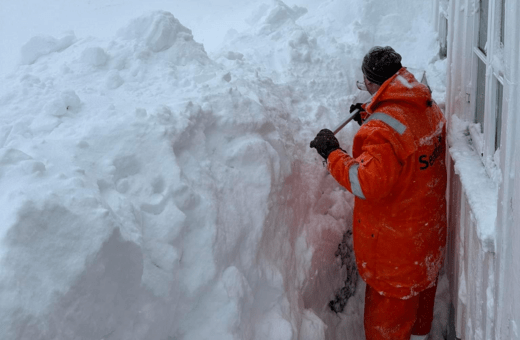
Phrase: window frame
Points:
(484, 139)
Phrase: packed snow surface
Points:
(482, 198)
(150, 190)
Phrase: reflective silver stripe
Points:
(391, 121)
(354, 181)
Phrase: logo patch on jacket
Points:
(428, 160)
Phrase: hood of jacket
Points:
(403, 88)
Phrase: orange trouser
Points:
(389, 318)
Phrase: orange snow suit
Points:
(389, 318)
(398, 175)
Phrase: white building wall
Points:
(508, 219)
(471, 270)
(484, 272)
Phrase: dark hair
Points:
(381, 63)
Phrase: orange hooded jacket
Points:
(398, 175)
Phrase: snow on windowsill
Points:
(481, 191)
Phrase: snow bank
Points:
(149, 191)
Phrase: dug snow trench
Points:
(150, 191)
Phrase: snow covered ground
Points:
(156, 180)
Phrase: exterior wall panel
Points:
(471, 269)
(484, 285)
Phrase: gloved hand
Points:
(325, 143)
(357, 117)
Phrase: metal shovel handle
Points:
(345, 122)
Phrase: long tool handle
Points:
(342, 125)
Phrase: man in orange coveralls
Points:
(397, 173)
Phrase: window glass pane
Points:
(481, 91)
(498, 114)
(483, 25)
(502, 21)
(443, 37)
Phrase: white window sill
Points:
(481, 191)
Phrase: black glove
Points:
(325, 143)
(357, 117)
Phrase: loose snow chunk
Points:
(114, 80)
(42, 45)
(67, 101)
(281, 13)
(95, 56)
(159, 30)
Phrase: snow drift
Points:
(150, 191)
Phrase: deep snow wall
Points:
(150, 191)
